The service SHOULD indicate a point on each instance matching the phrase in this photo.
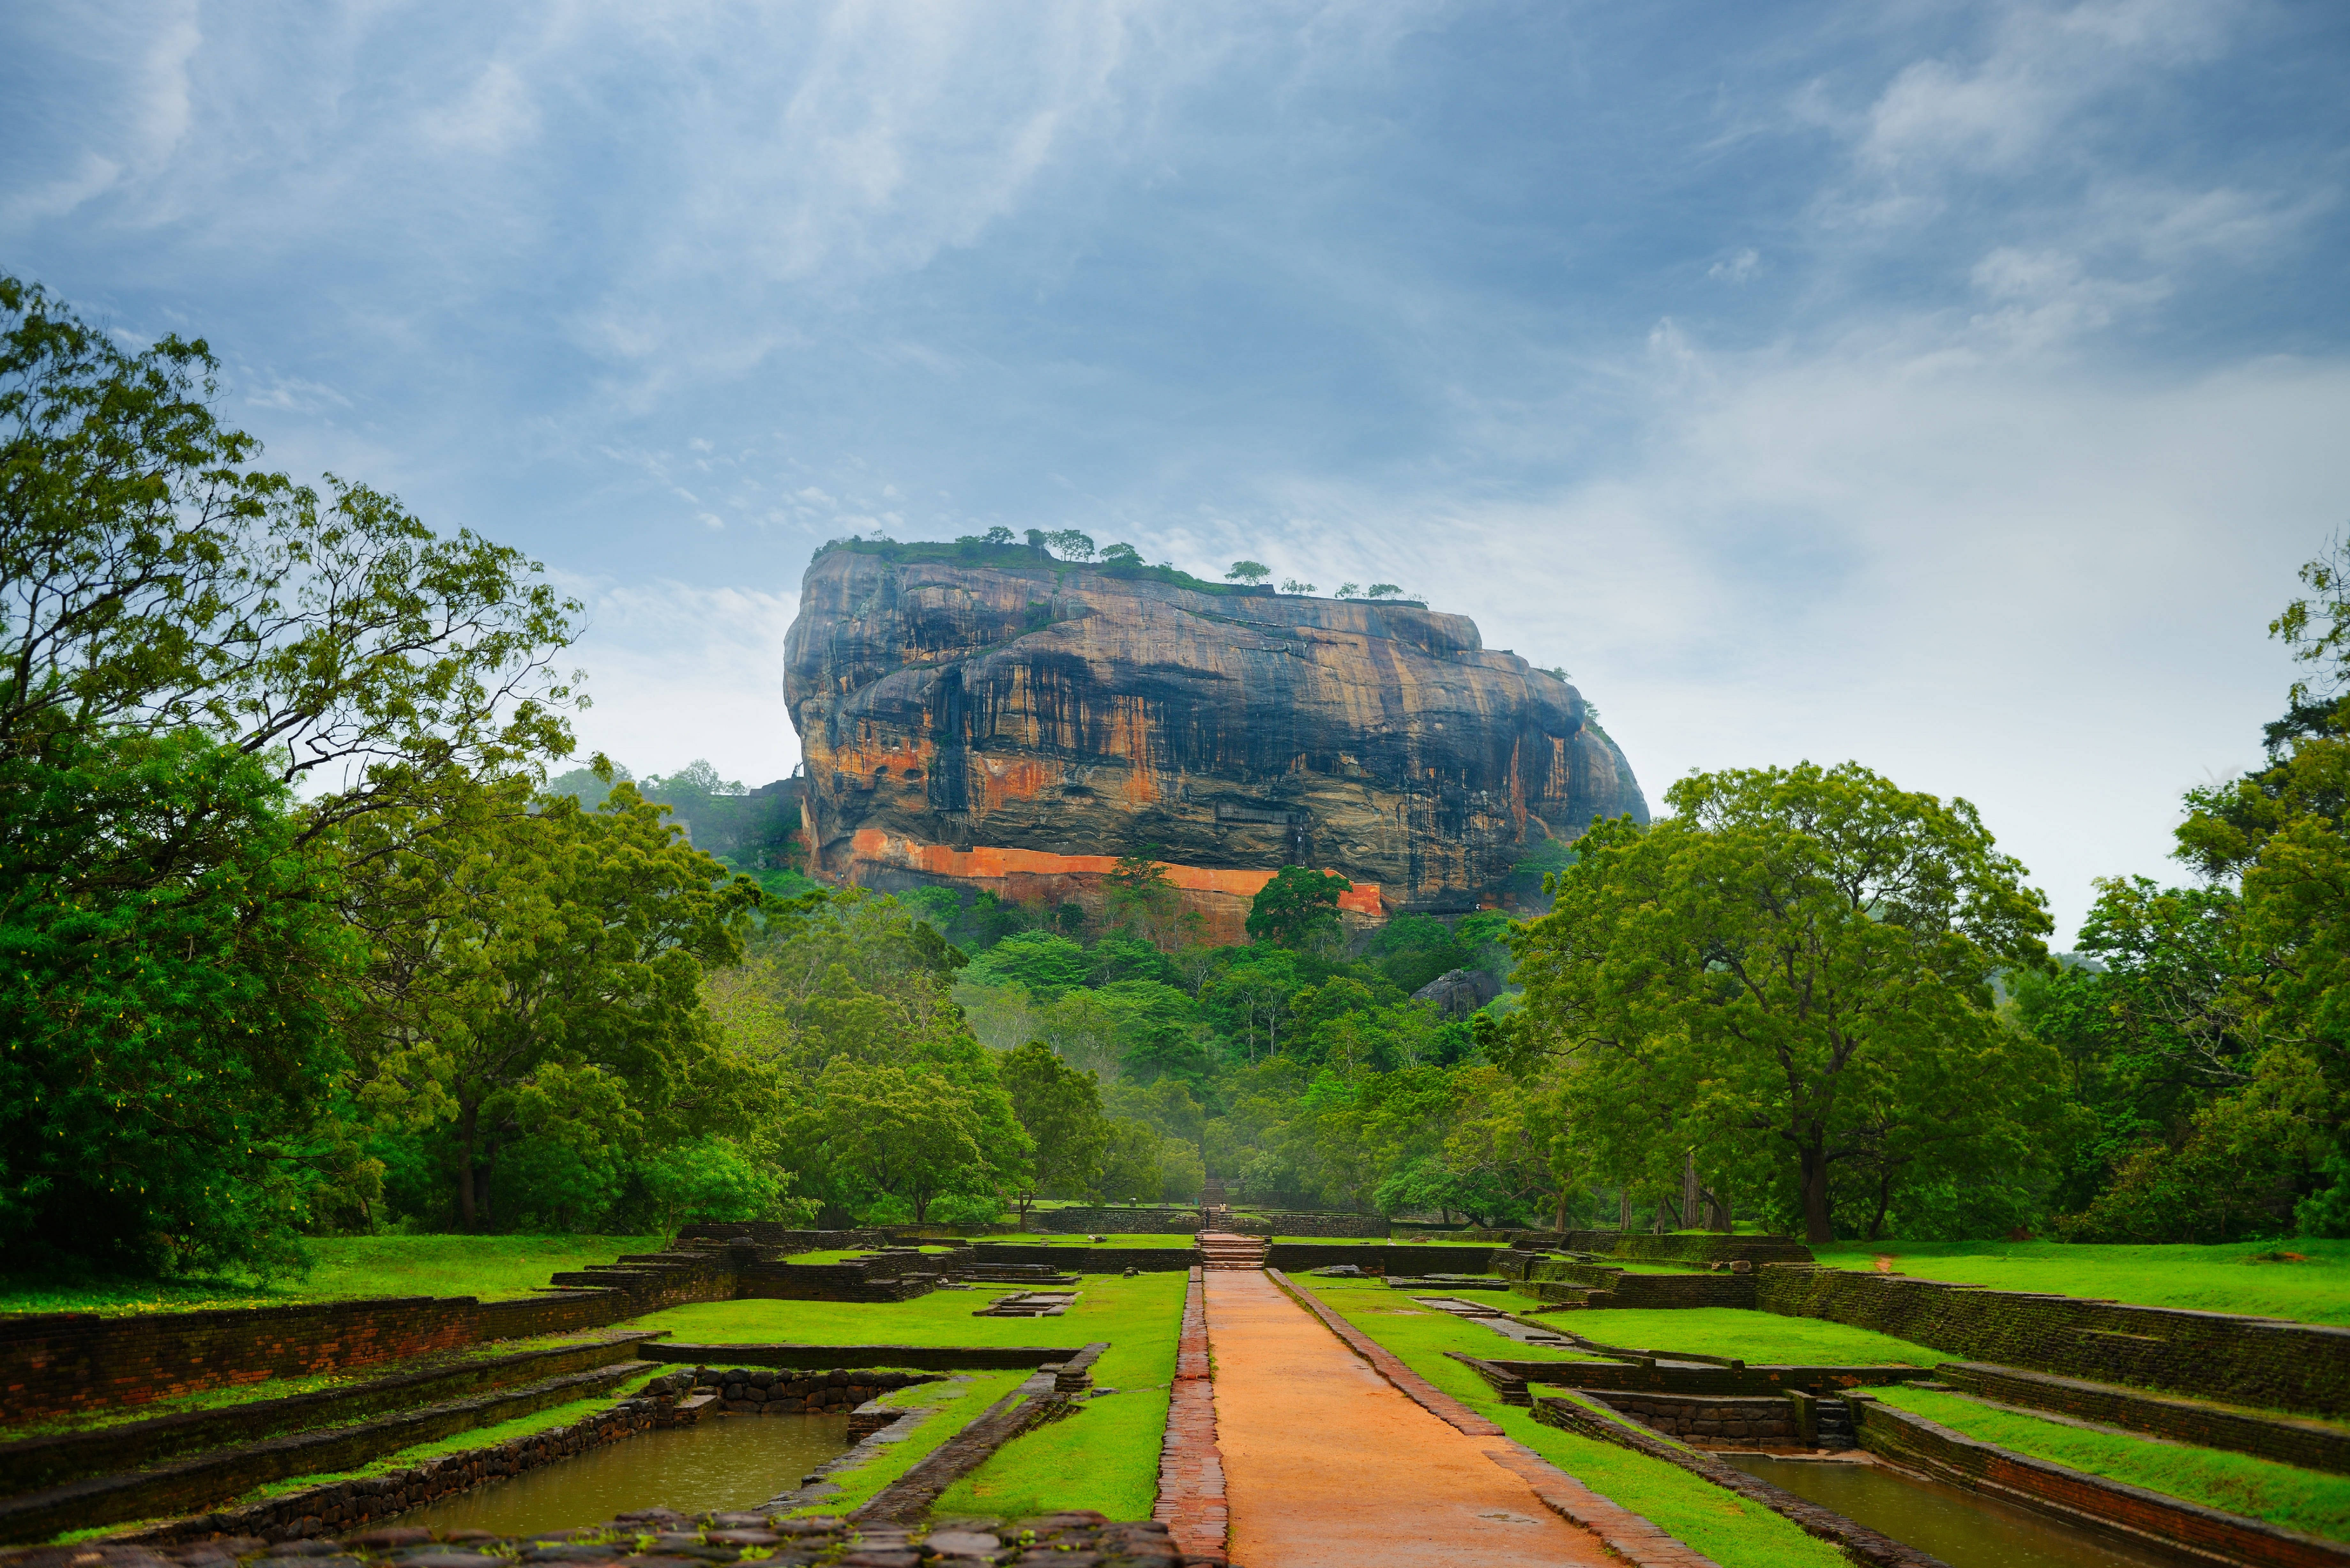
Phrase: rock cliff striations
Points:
(991, 717)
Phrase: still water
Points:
(1959, 1527)
(728, 1462)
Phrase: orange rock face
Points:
(1013, 722)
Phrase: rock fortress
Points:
(994, 718)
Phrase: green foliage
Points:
(188, 634)
(2286, 1495)
(171, 1041)
(1047, 966)
(1251, 572)
(538, 977)
(1299, 905)
(1789, 974)
(1059, 1107)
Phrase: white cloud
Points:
(677, 672)
(1736, 267)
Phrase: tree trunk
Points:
(1884, 1200)
(1689, 1191)
(1558, 1217)
(465, 1171)
(1813, 1168)
(1717, 1218)
(1624, 1207)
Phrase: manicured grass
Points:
(2307, 1501)
(973, 1393)
(490, 1267)
(479, 1438)
(1105, 1456)
(1128, 1313)
(1722, 1525)
(1748, 1335)
(2206, 1279)
(1062, 1239)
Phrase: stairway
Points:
(1836, 1425)
(1224, 1249)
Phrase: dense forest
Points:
(314, 923)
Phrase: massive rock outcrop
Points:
(995, 718)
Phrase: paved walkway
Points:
(1326, 1463)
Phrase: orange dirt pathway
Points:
(1326, 1463)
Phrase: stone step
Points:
(33, 1464)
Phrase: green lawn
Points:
(2207, 1279)
(1105, 1456)
(966, 1397)
(490, 1267)
(2307, 1501)
(1744, 1334)
(1061, 1238)
(1721, 1524)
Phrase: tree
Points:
(1137, 893)
(1120, 555)
(1298, 905)
(1797, 962)
(1383, 591)
(1350, 590)
(154, 581)
(1059, 1108)
(1250, 572)
(536, 970)
(171, 1045)
(1130, 1167)
(917, 1132)
(1296, 585)
(1071, 544)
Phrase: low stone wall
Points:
(1368, 1226)
(1090, 1259)
(2241, 1360)
(1710, 1420)
(63, 1363)
(829, 1283)
(1395, 1258)
(31, 1464)
(1109, 1222)
(2304, 1443)
(1863, 1545)
(342, 1506)
(767, 1234)
(765, 1391)
(207, 1477)
(1729, 1378)
(2168, 1524)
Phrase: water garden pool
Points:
(722, 1463)
(1962, 1529)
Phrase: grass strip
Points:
(2232, 1278)
(2311, 1501)
(1105, 1454)
(492, 1268)
(978, 1390)
(1125, 1312)
(1729, 1528)
(479, 1438)
(1763, 1338)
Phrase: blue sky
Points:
(1950, 387)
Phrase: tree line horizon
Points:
(306, 933)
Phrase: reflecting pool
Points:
(726, 1461)
(1960, 1528)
